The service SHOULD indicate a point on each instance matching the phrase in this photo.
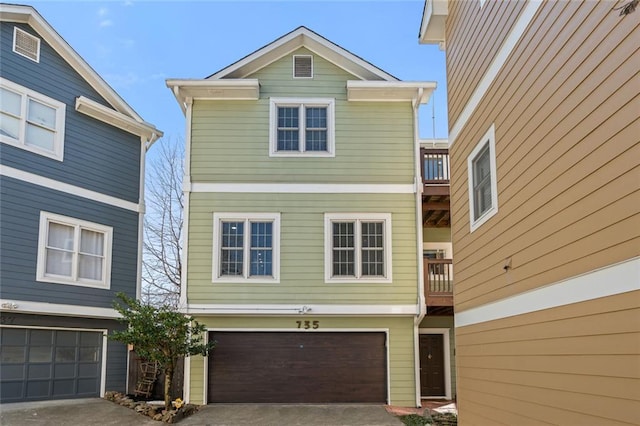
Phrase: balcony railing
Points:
(438, 281)
(435, 166)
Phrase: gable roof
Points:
(303, 37)
(28, 15)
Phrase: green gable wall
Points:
(302, 249)
(230, 139)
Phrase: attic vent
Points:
(26, 45)
(303, 66)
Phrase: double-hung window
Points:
(357, 247)
(301, 127)
(483, 187)
(73, 251)
(246, 247)
(30, 120)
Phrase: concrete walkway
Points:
(100, 412)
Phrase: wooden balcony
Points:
(438, 282)
(436, 203)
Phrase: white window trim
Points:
(45, 218)
(274, 103)
(488, 138)
(58, 152)
(294, 66)
(329, 218)
(218, 218)
(15, 35)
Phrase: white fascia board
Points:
(227, 89)
(117, 119)
(300, 309)
(28, 15)
(434, 143)
(303, 37)
(8, 306)
(434, 17)
(390, 91)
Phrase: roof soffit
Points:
(303, 37)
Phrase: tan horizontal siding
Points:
(575, 364)
(474, 38)
(567, 143)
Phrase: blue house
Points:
(72, 158)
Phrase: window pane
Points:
(232, 234)
(9, 126)
(60, 236)
(231, 263)
(316, 140)
(10, 102)
(288, 117)
(372, 262)
(316, 117)
(288, 140)
(343, 263)
(343, 234)
(261, 234)
(90, 267)
(481, 183)
(39, 137)
(12, 354)
(261, 263)
(65, 354)
(40, 354)
(58, 262)
(41, 114)
(89, 354)
(372, 234)
(91, 242)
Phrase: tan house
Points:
(543, 100)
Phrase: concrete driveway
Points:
(100, 412)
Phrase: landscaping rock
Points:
(153, 411)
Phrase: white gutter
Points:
(186, 189)
(421, 300)
(141, 211)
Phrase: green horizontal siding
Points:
(401, 347)
(302, 249)
(373, 140)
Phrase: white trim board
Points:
(297, 310)
(608, 281)
(510, 42)
(68, 188)
(8, 306)
(303, 188)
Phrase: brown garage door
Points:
(295, 367)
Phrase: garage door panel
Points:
(37, 364)
(316, 367)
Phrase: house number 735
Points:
(308, 324)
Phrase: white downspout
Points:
(421, 308)
(186, 188)
(141, 211)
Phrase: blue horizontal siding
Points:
(20, 210)
(97, 156)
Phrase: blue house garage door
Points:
(39, 364)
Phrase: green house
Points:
(303, 222)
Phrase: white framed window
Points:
(302, 127)
(357, 247)
(483, 182)
(302, 66)
(31, 120)
(246, 247)
(25, 44)
(74, 251)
